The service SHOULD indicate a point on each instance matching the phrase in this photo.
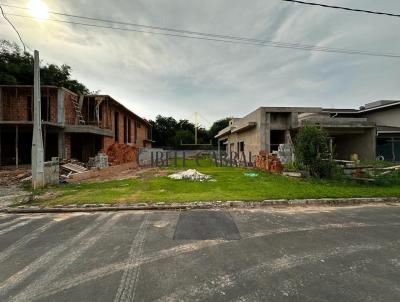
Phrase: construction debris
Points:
(190, 174)
(293, 174)
(74, 168)
(268, 162)
(9, 177)
(119, 154)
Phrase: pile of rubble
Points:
(70, 167)
(190, 174)
(10, 177)
(268, 162)
(119, 154)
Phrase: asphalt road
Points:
(312, 254)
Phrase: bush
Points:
(392, 178)
(312, 152)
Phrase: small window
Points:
(136, 132)
(129, 130)
(116, 127)
(241, 147)
(125, 130)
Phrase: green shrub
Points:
(312, 152)
(392, 178)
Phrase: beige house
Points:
(371, 131)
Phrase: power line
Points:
(344, 8)
(15, 29)
(181, 31)
(263, 44)
(164, 31)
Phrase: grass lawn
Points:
(230, 184)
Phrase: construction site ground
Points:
(11, 187)
(225, 184)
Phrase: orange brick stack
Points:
(268, 162)
(119, 154)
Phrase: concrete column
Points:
(393, 150)
(44, 141)
(265, 130)
(294, 120)
(373, 133)
(37, 140)
(60, 107)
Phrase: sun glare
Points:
(38, 9)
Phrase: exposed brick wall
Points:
(67, 146)
(16, 105)
(142, 135)
(69, 111)
(53, 106)
(142, 131)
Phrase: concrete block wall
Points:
(51, 172)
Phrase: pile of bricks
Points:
(120, 154)
(268, 162)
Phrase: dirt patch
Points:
(119, 172)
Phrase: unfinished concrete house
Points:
(371, 131)
(73, 126)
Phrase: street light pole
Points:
(37, 140)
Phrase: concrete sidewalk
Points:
(296, 254)
(134, 206)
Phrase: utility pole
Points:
(37, 140)
(196, 123)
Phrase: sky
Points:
(176, 77)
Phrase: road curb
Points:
(200, 205)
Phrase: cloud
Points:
(174, 76)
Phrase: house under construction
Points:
(74, 126)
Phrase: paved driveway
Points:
(312, 254)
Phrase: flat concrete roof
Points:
(292, 109)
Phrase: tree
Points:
(217, 127)
(312, 151)
(164, 129)
(16, 68)
(167, 132)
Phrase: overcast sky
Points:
(176, 76)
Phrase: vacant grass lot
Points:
(230, 184)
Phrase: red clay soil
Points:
(120, 154)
